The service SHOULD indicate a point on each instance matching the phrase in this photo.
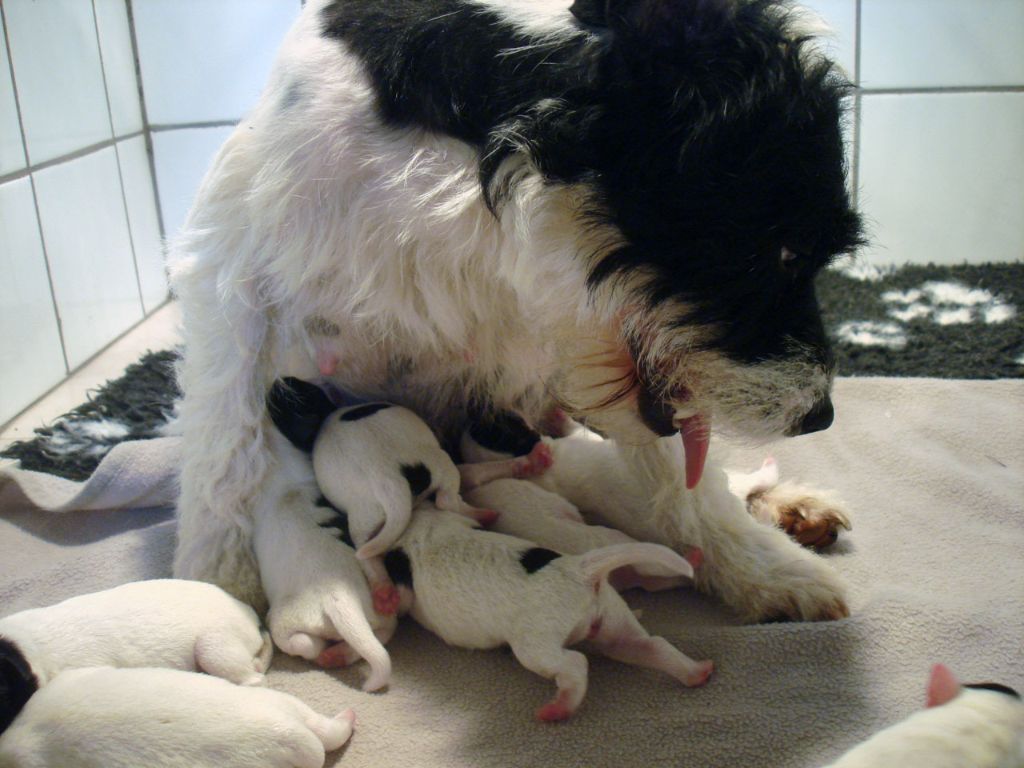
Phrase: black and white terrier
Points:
(617, 207)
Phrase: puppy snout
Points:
(820, 417)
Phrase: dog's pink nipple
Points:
(696, 433)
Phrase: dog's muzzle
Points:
(819, 418)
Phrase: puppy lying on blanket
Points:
(964, 726)
(621, 207)
(185, 625)
(479, 589)
(318, 589)
(163, 718)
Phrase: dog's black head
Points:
(709, 139)
(17, 682)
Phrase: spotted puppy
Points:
(964, 726)
(546, 519)
(163, 718)
(374, 461)
(185, 625)
(318, 590)
(480, 589)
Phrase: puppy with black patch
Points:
(103, 717)
(529, 512)
(185, 625)
(480, 589)
(320, 603)
(374, 461)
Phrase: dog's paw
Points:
(810, 517)
(386, 599)
(803, 589)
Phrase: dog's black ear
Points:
(17, 682)
(298, 409)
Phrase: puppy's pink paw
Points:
(386, 599)
(537, 461)
(694, 556)
(336, 656)
(486, 517)
(701, 675)
(554, 712)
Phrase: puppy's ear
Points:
(298, 409)
(590, 12)
(17, 682)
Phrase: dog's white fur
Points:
(184, 625)
(162, 718)
(974, 729)
(472, 591)
(318, 210)
(318, 589)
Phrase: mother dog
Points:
(618, 207)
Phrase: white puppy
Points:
(162, 718)
(546, 519)
(479, 589)
(374, 461)
(317, 588)
(964, 726)
(186, 625)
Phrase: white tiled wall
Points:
(81, 250)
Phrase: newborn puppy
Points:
(374, 461)
(546, 519)
(186, 625)
(162, 718)
(964, 726)
(479, 589)
(317, 588)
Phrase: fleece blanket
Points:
(933, 473)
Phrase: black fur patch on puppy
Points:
(17, 682)
(997, 687)
(298, 409)
(362, 411)
(418, 477)
(339, 521)
(399, 569)
(536, 558)
(504, 432)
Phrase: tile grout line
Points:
(117, 159)
(147, 129)
(161, 127)
(35, 196)
(77, 154)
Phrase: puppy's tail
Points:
(598, 563)
(352, 625)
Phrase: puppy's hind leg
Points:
(547, 657)
(226, 656)
(621, 637)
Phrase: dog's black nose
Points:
(819, 418)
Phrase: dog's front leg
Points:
(222, 413)
(756, 569)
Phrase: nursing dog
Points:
(462, 205)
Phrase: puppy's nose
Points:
(819, 418)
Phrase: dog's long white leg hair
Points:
(222, 376)
(755, 568)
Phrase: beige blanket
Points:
(933, 472)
